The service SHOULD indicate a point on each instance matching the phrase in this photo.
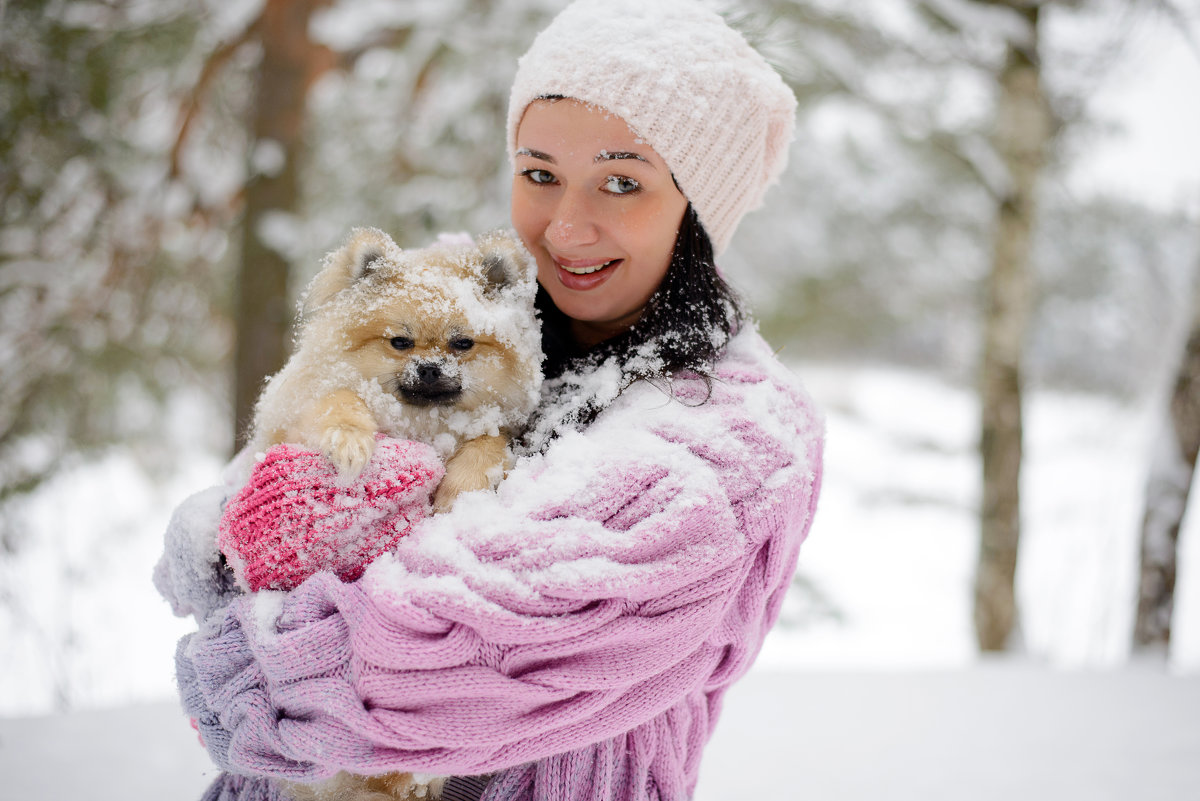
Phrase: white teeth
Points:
(586, 270)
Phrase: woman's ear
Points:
(364, 253)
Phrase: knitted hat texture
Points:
(685, 82)
(295, 517)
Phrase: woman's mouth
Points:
(586, 270)
(582, 274)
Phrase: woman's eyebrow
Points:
(537, 154)
(609, 155)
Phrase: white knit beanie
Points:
(684, 81)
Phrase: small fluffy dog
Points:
(439, 345)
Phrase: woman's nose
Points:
(572, 223)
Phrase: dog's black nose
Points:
(429, 373)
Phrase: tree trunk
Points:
(1023, 131)
(290, 63)
(1167, 490)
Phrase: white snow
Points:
(993, 732)
(268, 608)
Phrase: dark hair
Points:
(683, 329)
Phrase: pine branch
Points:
(212, 67)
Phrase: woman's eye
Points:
(402, 343)
(620, 185)
(462, 343)
(538, 176)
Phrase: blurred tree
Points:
(131, 139)
(111, 288)
(108, 292)
(290, 63)
(917, 207)
(1173, 469)
(1023, 131)
(363, 115)
(870, 247)
(877, 243)
(129, 152)
(1172, 474)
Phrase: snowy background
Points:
(872, 675)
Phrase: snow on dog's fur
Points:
(439, 345)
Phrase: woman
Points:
(570, 636)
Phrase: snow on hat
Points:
(295, 516)
(685, 82)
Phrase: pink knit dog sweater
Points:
(294, 517)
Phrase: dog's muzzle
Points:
(429, 385)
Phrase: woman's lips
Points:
(584, 274)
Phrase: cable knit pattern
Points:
(295, 516)
(574, 632)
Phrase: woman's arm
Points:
(629, 567)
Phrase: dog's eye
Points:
(402, 343)
(462, 343)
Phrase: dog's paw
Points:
(443, 499)
(348, 448)
(457, 482)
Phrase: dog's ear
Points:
(362, 254)
(505, 261)
(498, 271)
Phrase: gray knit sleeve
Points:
(191, 574)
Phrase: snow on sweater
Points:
(573, 632)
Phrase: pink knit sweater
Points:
(573, 633)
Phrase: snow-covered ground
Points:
(870, 688)
(992, 732)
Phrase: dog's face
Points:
(433, 359)
(423, 324)
(426, 352)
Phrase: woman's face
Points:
(598, 209)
